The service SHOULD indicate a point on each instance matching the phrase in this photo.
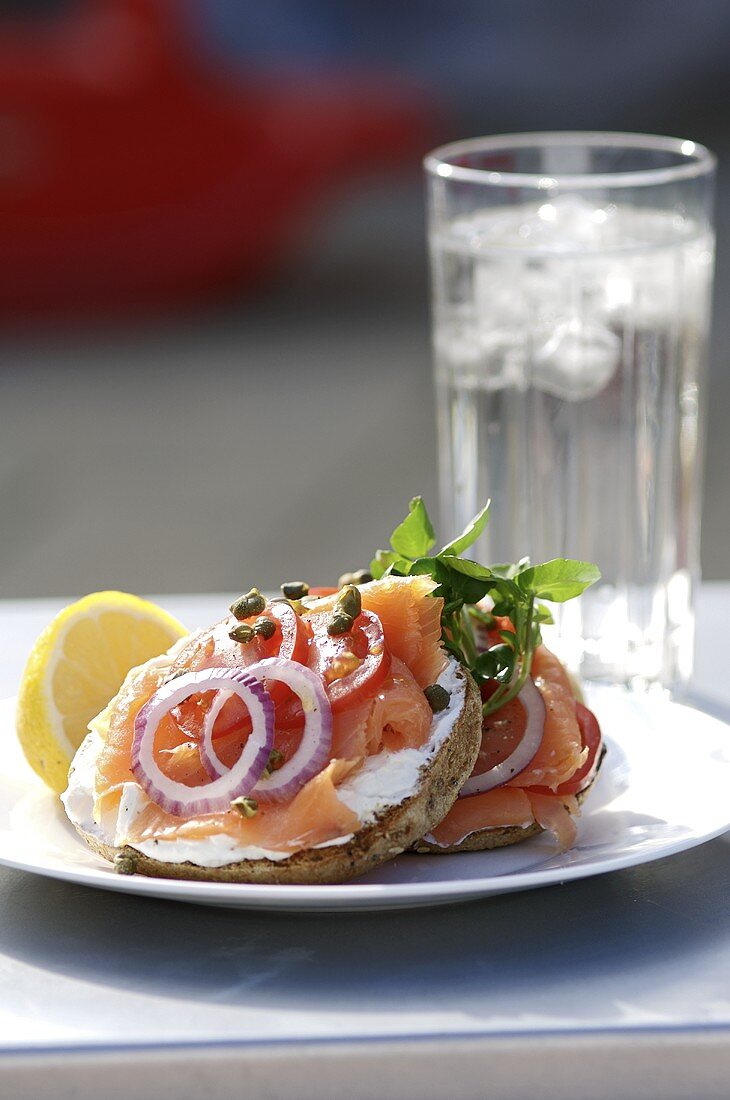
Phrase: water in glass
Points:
(570, 347)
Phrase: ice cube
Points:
(576, 360)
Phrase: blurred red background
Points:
(137, 173)
(215, 365)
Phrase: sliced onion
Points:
(316, 743)
(523, 754)
(208, 756)
(177, 798)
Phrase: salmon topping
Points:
(561, 752)
(554, 815)
(397, 715)
(560, 755)
(499, 808)
(314, 816)
(411, 619)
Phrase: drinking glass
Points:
(572, 277)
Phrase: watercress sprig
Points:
(508, 622)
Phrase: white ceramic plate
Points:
(664, 787)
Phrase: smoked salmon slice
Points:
(553, 813)
(314, 816)
(411, 618)
(401, 716)
(561, 752)
(494, 809)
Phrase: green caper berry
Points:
(359, 576)
(242, 632)
(125, 863)
(265, 628)
(238, 608)
(349, 601)
(340, 623)
(252, 603)
(247, 807)
(295, 590)
(272, 764)
(276, 759)
(438, 697)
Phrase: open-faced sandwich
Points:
(284, 744)
(311, 737)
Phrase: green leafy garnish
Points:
(558, 580)
(512, 592)
(469, 535)
(414, 537)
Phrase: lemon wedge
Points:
(76, 666)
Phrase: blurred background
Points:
(215, 367)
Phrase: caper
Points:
(340, 623)
(438, 697)
(252, 603)
(125, 863)
(349, 601)
(295, 590)
(265, 628)
(276, 759)
(247, 807)
(359, 576)
(242, 632)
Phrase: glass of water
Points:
(572, 277)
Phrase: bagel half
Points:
(448, 758)
(485, 839)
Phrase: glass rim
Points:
(700, 161)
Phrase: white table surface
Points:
(617, 986)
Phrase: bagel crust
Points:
(393, 831)
(485, 839)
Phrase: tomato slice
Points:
(291, 640)
(590, 732)
(363, 647)
(502, 732)
(292, 636)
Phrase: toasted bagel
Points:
(448, 761)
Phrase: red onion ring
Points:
(523, 754)
(177, 798)
(316, 743)
(208, 756)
